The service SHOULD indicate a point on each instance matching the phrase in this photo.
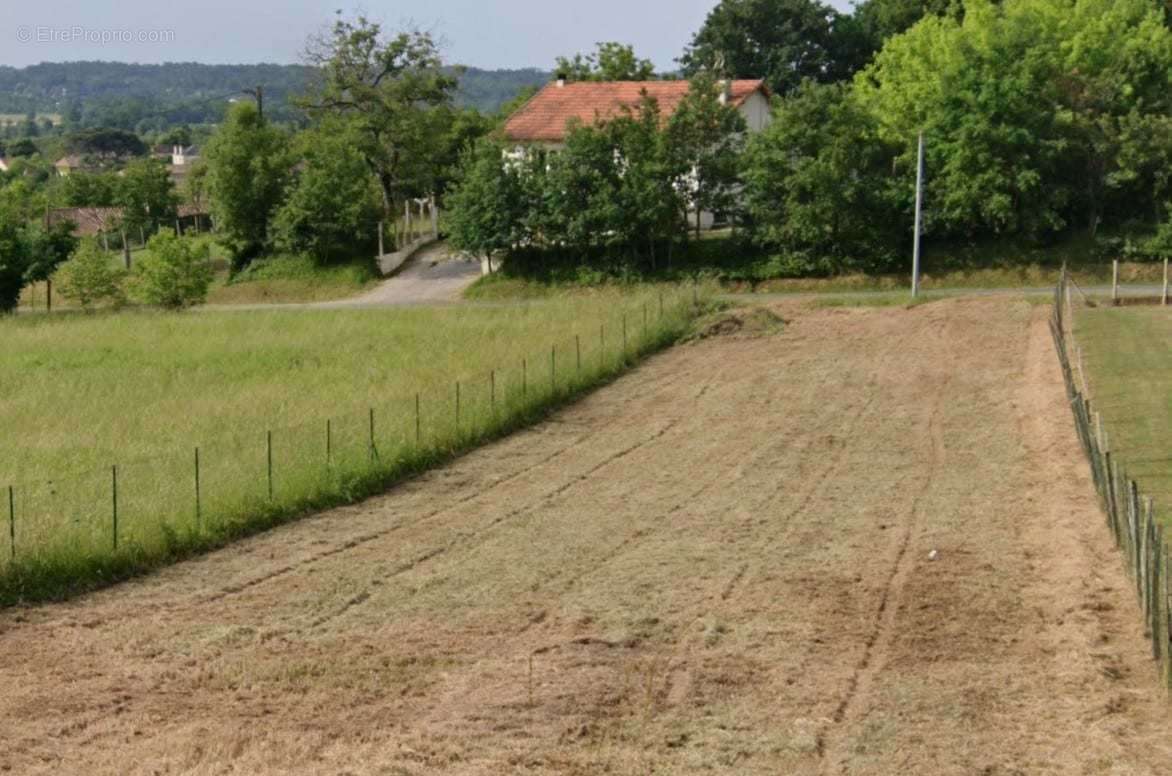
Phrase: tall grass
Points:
(351, 400)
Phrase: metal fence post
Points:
(418, 424)
(553, 369)
(329, 443)
(114, 499)
(524, 378)
(457, 405)
(624, 334)
(578, 351)
(269, 450)
(492, 390)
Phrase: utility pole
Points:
(919, 217)
(259, 94)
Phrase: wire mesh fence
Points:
(210, 490)
(1131, 517)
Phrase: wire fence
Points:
(156, 507)
(1131, 516)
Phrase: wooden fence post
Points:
(114, 500)
(11, 522)
(198, 506)
(1115, 282)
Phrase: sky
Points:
(479, 33)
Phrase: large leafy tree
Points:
(1026, 105)
(881, 19)
(47, 248)
(611, 61)
(14, 258)
(386, 87)
(706, 136)
(487, 205)
(819, 186)
(104, 142)
(146, 194)
(332, 205)
(248, 166)
(782, 41)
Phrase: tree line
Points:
(1042, 118)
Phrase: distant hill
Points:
(155, 96)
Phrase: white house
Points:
(542, 122)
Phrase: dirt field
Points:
(723, 563)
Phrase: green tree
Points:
(1025, 104)
(174, 272)
(782, 41)
(819, 186)
(248, 167)
(487, 206)
(91, 278)
(85, 189)
(707, 136)
(14, 259)
(882, 19)
(386, 88)
(47, 249)
(146, 195)
(611, 61)
(613, 193)
(332, 207)
(104, 142)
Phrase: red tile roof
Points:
(544, 118)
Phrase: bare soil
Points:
(865, 544)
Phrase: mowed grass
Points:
(351, 400)
(1127, 352)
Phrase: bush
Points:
(90, 277)
(174, 272)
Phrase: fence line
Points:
(155, 506)
(1131, 517)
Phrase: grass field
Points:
(281, 279)
(143, 390)
(1128, 356)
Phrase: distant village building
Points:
(68, 165)
(179, 160)
(543, 121)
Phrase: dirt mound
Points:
(739, 322)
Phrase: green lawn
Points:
(143, 390)
(1128, 357)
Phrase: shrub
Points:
(90, 277)
(174, 272)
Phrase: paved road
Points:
(433, 276)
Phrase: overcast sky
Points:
(481, 33)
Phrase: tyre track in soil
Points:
(754, 491)
(428, 516)
(876, 646)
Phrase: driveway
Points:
(434, 275)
